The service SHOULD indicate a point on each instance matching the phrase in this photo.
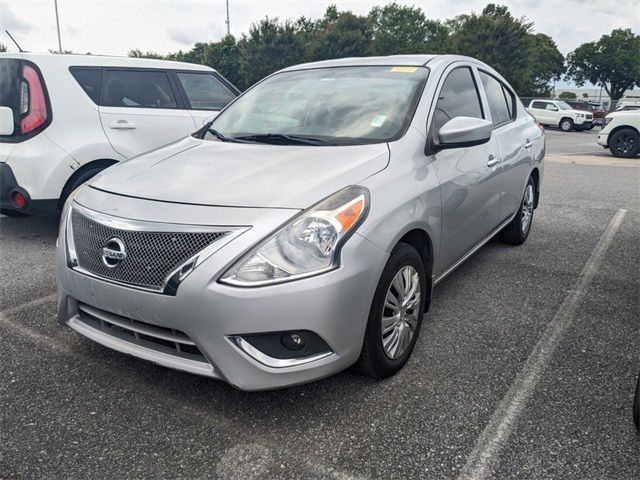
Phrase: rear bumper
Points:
(8, 184)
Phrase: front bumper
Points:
(334, 305)
(603, 138)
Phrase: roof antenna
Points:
(14, 41)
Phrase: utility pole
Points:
(227, 22)
(55, 2)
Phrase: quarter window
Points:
(496, 97)
(204, 91)
(458, 98)
(89, 80)
(137, 88)
(540, 105)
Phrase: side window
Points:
(458, 98)
(540, 105)
(495, 96)
(205, 91)
(511, 101)
(89, 79)
(137, 88)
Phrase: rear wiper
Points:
(282, 137)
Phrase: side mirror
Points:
(6, 121)
(464, 132)
(209, 119)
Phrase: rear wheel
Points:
(517, 231)
(82, 178)
(396, 314)
(566, 124)
(624, 143)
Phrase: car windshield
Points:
(564, 106)
(334, 106)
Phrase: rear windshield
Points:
(339, 106)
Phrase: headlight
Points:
(581, 115)
(308, 245)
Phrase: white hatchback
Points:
(64, 118)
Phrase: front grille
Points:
(150, 256)
(165, 340)
(589, 117)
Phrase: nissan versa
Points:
(302, 230)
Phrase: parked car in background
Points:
(623, 108)
(557, 113)
(67, 117)
(302, 230)
(621, 133)
(597, 111)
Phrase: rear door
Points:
(470, 177)
(204, 93)
(539, 110)
(140, 109)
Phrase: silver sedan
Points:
(303, 229)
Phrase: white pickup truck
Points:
(556, 113)
(621, 133)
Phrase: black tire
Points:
(12, 213)
(373, 360)
(566, 125)
(76, 182)
(624, 143)
(515, 232)
(636, 405)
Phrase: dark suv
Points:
(596, 109)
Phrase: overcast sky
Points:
(117, 26)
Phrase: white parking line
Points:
(492, 440)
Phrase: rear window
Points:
(205, 91)
(137, 88)
(89, 79)
(498, 105)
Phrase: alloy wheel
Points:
(527, 208)
(625, 144)
(401, 312)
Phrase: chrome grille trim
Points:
(166, 278)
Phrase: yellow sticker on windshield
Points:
(404, 69)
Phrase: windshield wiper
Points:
(282, 137)
(218, 135)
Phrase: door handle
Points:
(122, 125)
(529, 144)
(493, 161)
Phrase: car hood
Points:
(205, 172)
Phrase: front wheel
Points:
(396, 314)
(566, 124)
(517, 231)
(624, 143)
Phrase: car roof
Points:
(68, 59)
(390, 60)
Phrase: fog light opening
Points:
(293, 341)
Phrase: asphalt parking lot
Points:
(525, 368)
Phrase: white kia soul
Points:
(63, 118)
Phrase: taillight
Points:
(33, 104)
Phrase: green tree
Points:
(612, 62)
(585, 95)
(546, 64)
(398, 29)
(137, 53)
(498, 39)
(568, 96)
(269, 46)
(339, 35)
(3, 47)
